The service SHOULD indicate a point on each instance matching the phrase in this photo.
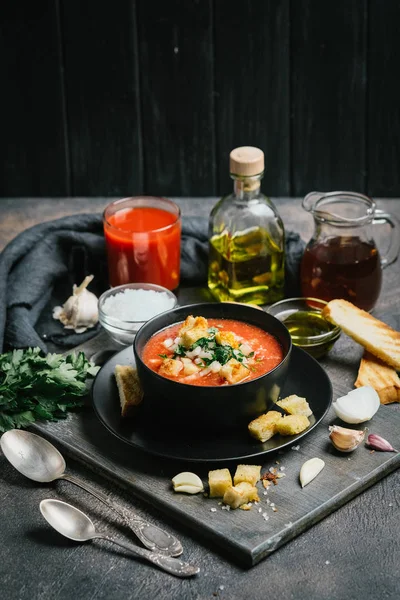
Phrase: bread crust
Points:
(377, 337)
(381, 377)
(129, 389)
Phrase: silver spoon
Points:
(37, 459)
(77, 526)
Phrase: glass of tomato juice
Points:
(143, 238)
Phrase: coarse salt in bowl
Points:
(125, 308)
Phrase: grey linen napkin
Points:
(39, 267)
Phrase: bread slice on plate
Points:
(129, 389)
(381, 377)
(376, 337)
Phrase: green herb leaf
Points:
(163, 356)
(180, 351)
(223, 353)
(202, 342)
(33, 386)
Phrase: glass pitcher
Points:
(342, 260)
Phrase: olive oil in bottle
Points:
(247, 239)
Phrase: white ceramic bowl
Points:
(121, 330)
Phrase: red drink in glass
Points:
(143, 236)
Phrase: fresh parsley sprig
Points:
(34, 387)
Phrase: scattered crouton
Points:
(240, 494)
(264, 427)
(295, 405)
(249, 473)
(219, 481)
(292, 424)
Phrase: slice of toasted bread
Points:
(129, 390)
(382, 378)
(376, 337)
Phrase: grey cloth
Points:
(39, 267)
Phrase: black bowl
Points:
(180, 405)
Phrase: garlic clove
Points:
(358, 405)
(188, 489)
(345, 440)
(187, 482)
(310, 469)
(376, 442)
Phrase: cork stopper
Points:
(246, 161)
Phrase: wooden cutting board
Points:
(284, 510)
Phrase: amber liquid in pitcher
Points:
(342, 267)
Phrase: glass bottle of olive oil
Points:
(247, 238)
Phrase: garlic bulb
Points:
(357, 406)
(80, 311)
(345, 440)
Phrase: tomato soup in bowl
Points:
(211, 365)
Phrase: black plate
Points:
(306, 378)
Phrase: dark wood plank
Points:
(175, 41)
(32, 150)
(328, 69)
(252, 87)
(384, 93)
(102, 97)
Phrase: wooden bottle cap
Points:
(247, 161)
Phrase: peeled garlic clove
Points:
(188, 489)
(345, 440)
(310, 470)
(187, 482)
(376, 442)
(357, 406)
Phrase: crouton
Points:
(170, 367)
(292, 424)
(226, 338)
(264, 427)
(129, 390)
(249, 473)
(192, 330)
(219, 481)
(233, 371)
(295, 405)
(240, 494)
(189, 368)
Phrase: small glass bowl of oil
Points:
(307, 327)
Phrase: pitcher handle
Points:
(392, 253)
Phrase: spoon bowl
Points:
(68, 520)
(39, 460)
(75, 525)
(32, 455)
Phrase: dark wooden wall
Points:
(122, 97)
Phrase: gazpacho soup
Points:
(213, 352)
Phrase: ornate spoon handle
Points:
(175, 566)
(150, 535)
